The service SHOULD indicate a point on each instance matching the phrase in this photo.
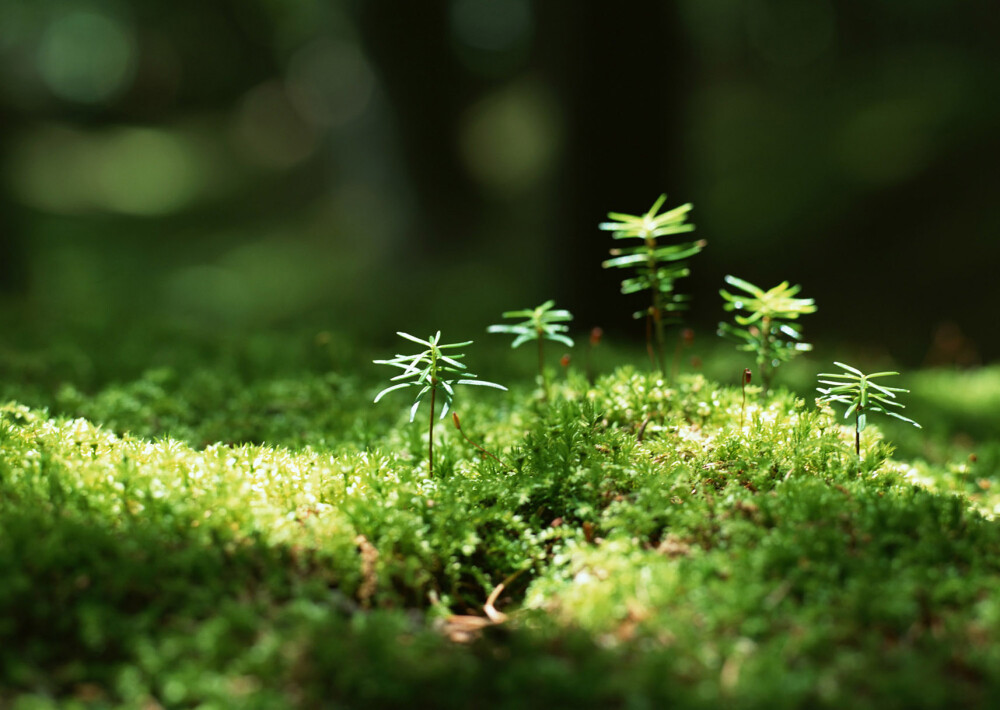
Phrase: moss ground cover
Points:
(246, 530)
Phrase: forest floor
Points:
(239, 526)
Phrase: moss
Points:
(218, 535)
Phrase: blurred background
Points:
(370, 166)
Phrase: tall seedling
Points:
(656, 267)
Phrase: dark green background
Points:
(372, 166)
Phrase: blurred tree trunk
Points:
(411, 48)
(623, 69)
(13, 240)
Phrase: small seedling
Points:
(764, 330)
(855, 389)
(429, 371)
(657, 266)
(540, 324)
(747, 376)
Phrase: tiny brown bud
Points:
(687, 337)
(556, 523)
(973, 458)
(595, 335)
(747, 376)
(454, 418)
(564, 360)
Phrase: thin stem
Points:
(656, 312)
(743, 409)
(765, 353)
(677, 358)
(857, 432)
(595, 338)
(649, 340)
(430, 438)
(658, 322)
(541, 367)
(642, 427)
(458, 425)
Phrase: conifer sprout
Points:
(855, 389)
(765, 331)
(429, 371)
(539, 324)
(657, 267)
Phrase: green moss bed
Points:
(245, 529)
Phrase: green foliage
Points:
(657, 266)
(540, 324)
(429, 371)
(701, 566)
(856, 389)
(765, 331)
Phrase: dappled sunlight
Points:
(220, 488)
(510, 141)
(714, 553)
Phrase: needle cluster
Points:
(656, 266)
(856, 389)
(765, 329)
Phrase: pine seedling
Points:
(765, 331)
(855, 389)
(657, 267)
(430, 371)
(539, 324)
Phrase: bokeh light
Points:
(87, 56)
(511, 139)
(492, 37)
(403, 143)
(270, 131)
(147, 172)
(330, 82)
(144, 172)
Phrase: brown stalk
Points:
(458, 425)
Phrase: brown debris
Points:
(465, 628)
(673, 546)
(369, 572)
